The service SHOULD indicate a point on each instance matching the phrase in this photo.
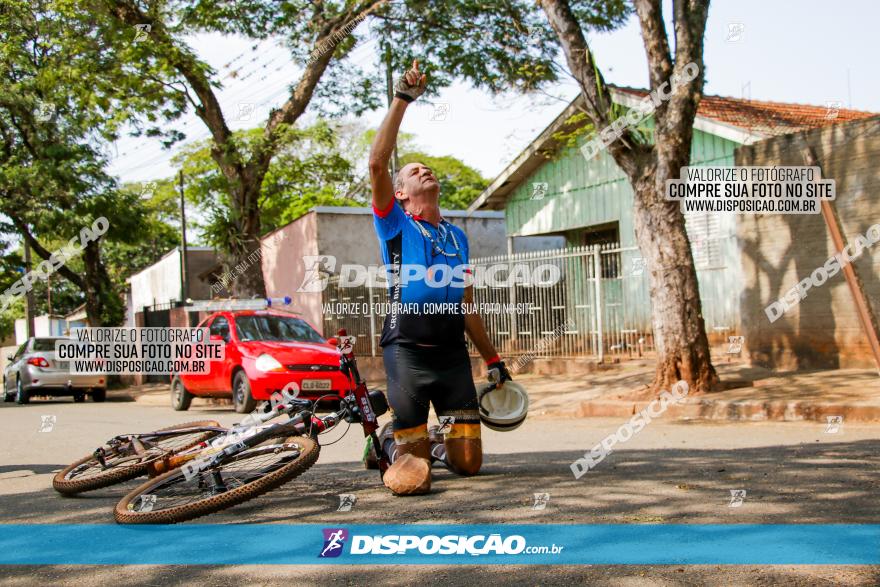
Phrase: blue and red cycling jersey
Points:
(431, 277)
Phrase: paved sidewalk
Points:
(752, 394)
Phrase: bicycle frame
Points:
(302, 422)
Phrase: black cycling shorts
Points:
(420, 376)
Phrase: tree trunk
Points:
(104, 307)
(677, 315)
(248, 282)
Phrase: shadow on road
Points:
(808, 483)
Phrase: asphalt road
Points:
(668, 473)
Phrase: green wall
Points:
(581, 194)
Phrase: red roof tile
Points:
(767, 118)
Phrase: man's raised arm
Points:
(407, 89)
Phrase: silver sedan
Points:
(33, 370)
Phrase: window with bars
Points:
(704, 232)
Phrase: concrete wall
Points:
(160, 282)
(199, 261)
(43, 326)
(157, 284)
(6, 353)
(348, 235)
(283, 268)
(778, 250)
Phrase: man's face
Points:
(418, 183)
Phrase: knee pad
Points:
(409, 475)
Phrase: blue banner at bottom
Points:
(599, 544)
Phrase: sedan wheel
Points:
(22, 396)
(7, 397)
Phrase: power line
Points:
(164, 155)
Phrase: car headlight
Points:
(267, 363)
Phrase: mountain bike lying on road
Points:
(128, 456)
(246, 461)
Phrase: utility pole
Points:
(184, 285)
(29, 295)
(389, 88)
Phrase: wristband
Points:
(495, 359)
(404, 97)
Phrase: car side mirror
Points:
(332, 341)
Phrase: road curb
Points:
(736, 411)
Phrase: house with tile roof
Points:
(550, 188)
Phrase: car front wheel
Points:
(241, 394)
(22, 395)
(7, 397)
(99, 395)
(180, 397)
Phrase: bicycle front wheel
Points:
(122, 462)
(172, 498)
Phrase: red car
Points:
(265, 351)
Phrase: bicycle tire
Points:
(310, 450)
(113, 476)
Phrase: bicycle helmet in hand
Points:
(503, 407)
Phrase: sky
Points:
(801, 51)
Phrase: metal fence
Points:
(579, 315)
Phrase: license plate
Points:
(316, 384)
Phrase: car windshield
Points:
(268, 327)
(45, 344)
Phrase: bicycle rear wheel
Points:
(123, 463)
(171, 498)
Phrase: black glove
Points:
(498, 373)
(411, 85)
